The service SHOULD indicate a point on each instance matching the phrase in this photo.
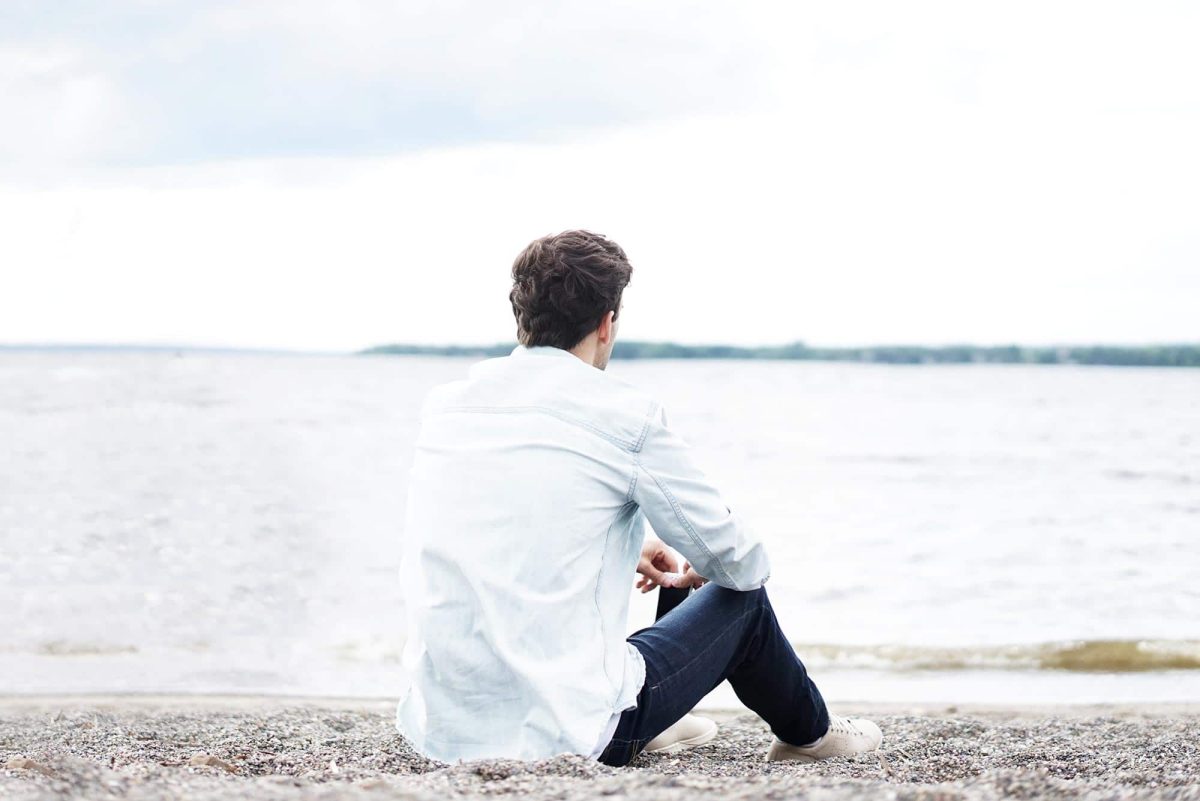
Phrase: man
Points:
(530, 484)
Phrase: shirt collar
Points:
(542, 350)
(548, 352)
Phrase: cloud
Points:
(749, 230)
(333, 175)
(56, 105)
(253, 78)
(174, 81)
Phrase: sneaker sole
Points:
(683, 745)
(801, 758)
(776, 754)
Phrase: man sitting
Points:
(530, 485)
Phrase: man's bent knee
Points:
(736, 598)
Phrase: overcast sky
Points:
(333, 175)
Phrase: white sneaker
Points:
(846, 736)
(688, 732)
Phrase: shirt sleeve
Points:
(687, 512)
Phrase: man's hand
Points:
(657, 564)
(690, 578)
(659, 567)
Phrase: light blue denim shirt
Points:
(529, 488)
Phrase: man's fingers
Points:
(673, 580)
(652, 573)
(649, 580)
(663, 560)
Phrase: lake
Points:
(203, 522)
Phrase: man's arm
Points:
(687, 512)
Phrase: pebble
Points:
(23, 763)
(208, 760)
(292, 751)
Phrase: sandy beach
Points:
(209, 747)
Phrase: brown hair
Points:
(563, 285)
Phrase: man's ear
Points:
(605, 331)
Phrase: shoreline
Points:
(225, 700)
(201, 747)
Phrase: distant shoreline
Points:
(1098, 355)
(1167, 355)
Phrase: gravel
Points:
(218, 748)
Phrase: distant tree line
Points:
(1134, 356)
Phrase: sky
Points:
(330, 176)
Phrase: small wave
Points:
(1080, 656)
(1083, 656)
(64, 648)
(1160, 475)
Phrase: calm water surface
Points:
(233, 523)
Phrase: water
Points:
(232, 523)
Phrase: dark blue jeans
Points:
(714, 635)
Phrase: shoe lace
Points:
(843, 726)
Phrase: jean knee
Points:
(745, 600)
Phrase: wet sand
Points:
(218, 747)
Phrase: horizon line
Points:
(282, 350)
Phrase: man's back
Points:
(529, 489)
(521, 537)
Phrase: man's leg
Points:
(669, 598)
(719, 634)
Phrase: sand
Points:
(228, 747)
